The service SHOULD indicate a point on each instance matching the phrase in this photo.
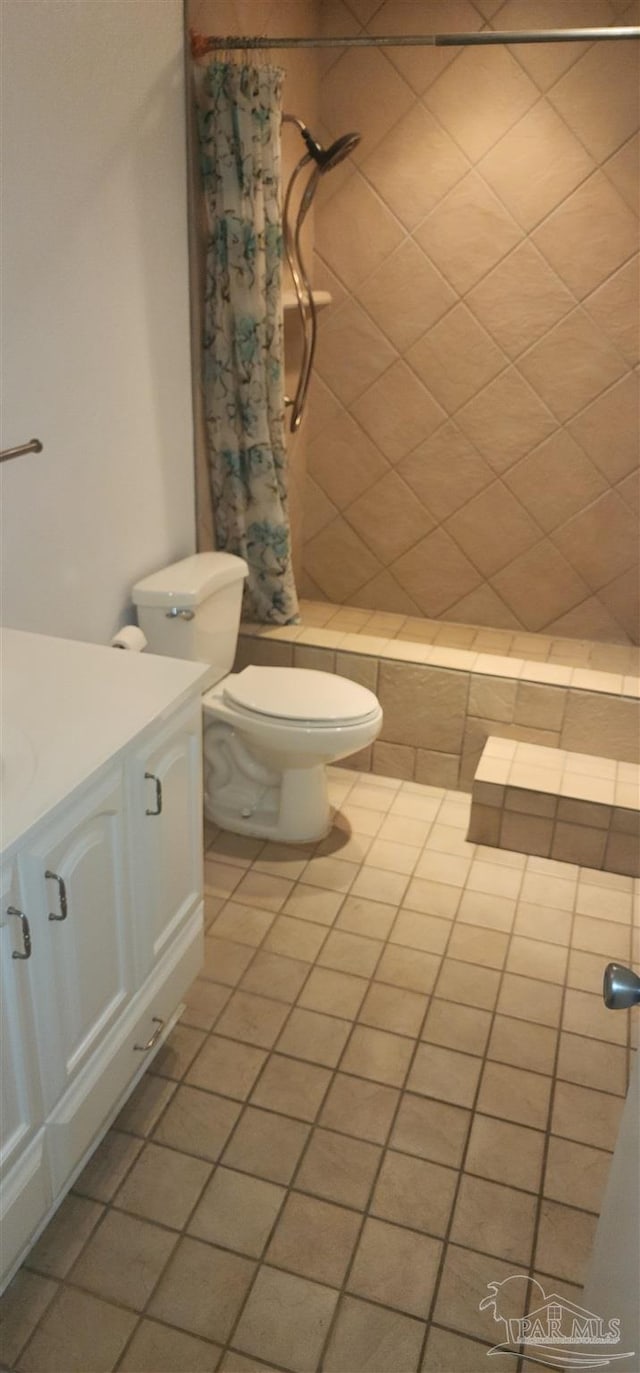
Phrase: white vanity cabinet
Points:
(74, 885)
(109, 878)
(166, 815)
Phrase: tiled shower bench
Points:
(548, 801)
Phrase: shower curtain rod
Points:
(202, 44)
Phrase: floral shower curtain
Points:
(239, 112)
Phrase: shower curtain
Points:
(239, 112)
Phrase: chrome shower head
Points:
(325, 158)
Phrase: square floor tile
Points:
(108, 1166)
(314, 1037)
(237, 1212)
(226, 1067)
(147, 1101)
(332, 874)
(396, 1267)
(274, 976)
(526, 998)
(338, 1168)
(444, 1074)
(371, 918)
(261, 889)
(565, 1241)
(431, 1129)
(505, 1152)
(286, 1320)
(586, 1014)
(315, 1239)
(202, 1290)
(589, 1063)
(242, 924)
(416, 931)
(313, 903)
(77, 1333)
(392, 1008)
(164, 1350)
(413, 1192)
(333, 993)
(177, 1052)
(446, 1351)
(291, 1087)
(267, 1145)
(463, 1285)
(514, 1094)
(576, 1175)
(376, 885)
(432, 898)
(408, 968)
(523, 1045)
(457, 1027)
(124, 1259)
(586, 1116)
(468, 985)
(225, 961)
(378, 1055)
(473, 944)
(495, 1219)
(367, 1337)
(546, 962)
(163, 1185)
(252, 1019)
(204, 1002)
(356, 1107)
(350, 953)
(64, 1237)
(551, 926)
(295, 938)
(197, 1122)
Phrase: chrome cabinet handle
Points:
(144, 1048)
(151, 777)
(26, 932)
(621, 988)
(62, 892)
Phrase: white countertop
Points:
(67, 708)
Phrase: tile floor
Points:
(394, 1082)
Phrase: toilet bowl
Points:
(269, 732)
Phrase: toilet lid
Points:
(298, 693)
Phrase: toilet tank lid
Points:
(190, 581)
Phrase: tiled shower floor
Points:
(394, 1082)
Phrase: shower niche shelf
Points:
(320, 300)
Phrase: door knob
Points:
(621, 987)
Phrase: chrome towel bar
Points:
(33, 446)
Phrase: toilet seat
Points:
(302, 695)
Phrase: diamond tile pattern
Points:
(424, 1124)
(481, 251)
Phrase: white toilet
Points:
(269, 732)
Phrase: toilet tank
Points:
(192, 609)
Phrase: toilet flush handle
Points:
(177, 614)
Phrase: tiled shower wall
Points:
(473, 441)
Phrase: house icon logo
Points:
(554, 1331)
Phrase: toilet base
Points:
(296, 811)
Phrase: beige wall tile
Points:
(421, 68)
(388, 518)
(474, 528)
(579, 844)
(601, 542)
(436, 573)
(506, 419)
(423, 707)
(539, 585)
(622, 169)
(622, 854)
(436, 769)
(542, 707)
(478, 101)
(589, 236)
(598, 98)
(391, 167)
(614, 723)
(555, 481)
(492, 698)
(456, 358)
(468, 232)
(351, 351)
(393, 760)
(344, 461)
(373, 231)
(445, 471)
(614, 306)
(526, 833)
(607, 429)
(572, 365)
(535, 165)
(406, 295)
(520, 300)
(398, 411)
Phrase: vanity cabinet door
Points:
(166, 826)
(75, 879)
(20, 1100)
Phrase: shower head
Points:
(325, 158)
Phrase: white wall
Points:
(95, 309)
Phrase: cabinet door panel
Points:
(20, 1101)
(81, 961)
(169, 848)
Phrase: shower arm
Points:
(302, 290)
